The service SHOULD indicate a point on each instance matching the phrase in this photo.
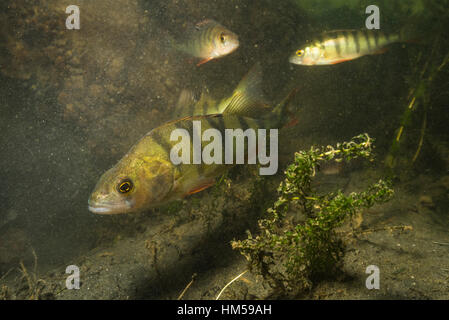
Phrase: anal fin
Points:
(340, 61)
(381, 51)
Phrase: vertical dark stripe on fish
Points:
(199, 42)
(346, 36)
(263, 124)
(383, 39)
(205, 108)
(356, 41)
(322, 39)
(209, 39)
(366, 37)
(338, 46)
(376, 38)
(220, 124)
(192, 109)
(161, 141)
(250, 123)
(208, 35)
(216, 122)
(188, 125)
(242, 123)
(207, 123)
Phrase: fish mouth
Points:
(230, 49)
(107, 209)
(233, 45)
(294, 59)
(100, 210)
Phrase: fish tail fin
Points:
(412, 33)
(283, 113)
(169, 43)
(248, 99)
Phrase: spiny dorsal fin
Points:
(186, 98)
(205, 23)
(247, 99)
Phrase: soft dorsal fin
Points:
(247, 99)
(336, 33)
(339, 31)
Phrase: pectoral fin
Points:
(201, 187)
(203, 61)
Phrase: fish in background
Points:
(207, 40)
(145, 177)
(343, 45)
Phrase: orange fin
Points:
(201, 188)
(340, 61)
(203, 61)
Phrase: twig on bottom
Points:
(187, 287)
(236, 278)
(441, 243)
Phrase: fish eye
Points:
(222, 37)
(299, 53)
(125, 186)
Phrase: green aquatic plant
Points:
(290, 256)
(424, 82)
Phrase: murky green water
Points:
(73, 102)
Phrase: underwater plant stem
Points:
(187, 287)
(27, 277)
(7, 272)
(421, 139)
(421, 95)
(401, 129)
(445, 61)
(441, 243)
(229, 283)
